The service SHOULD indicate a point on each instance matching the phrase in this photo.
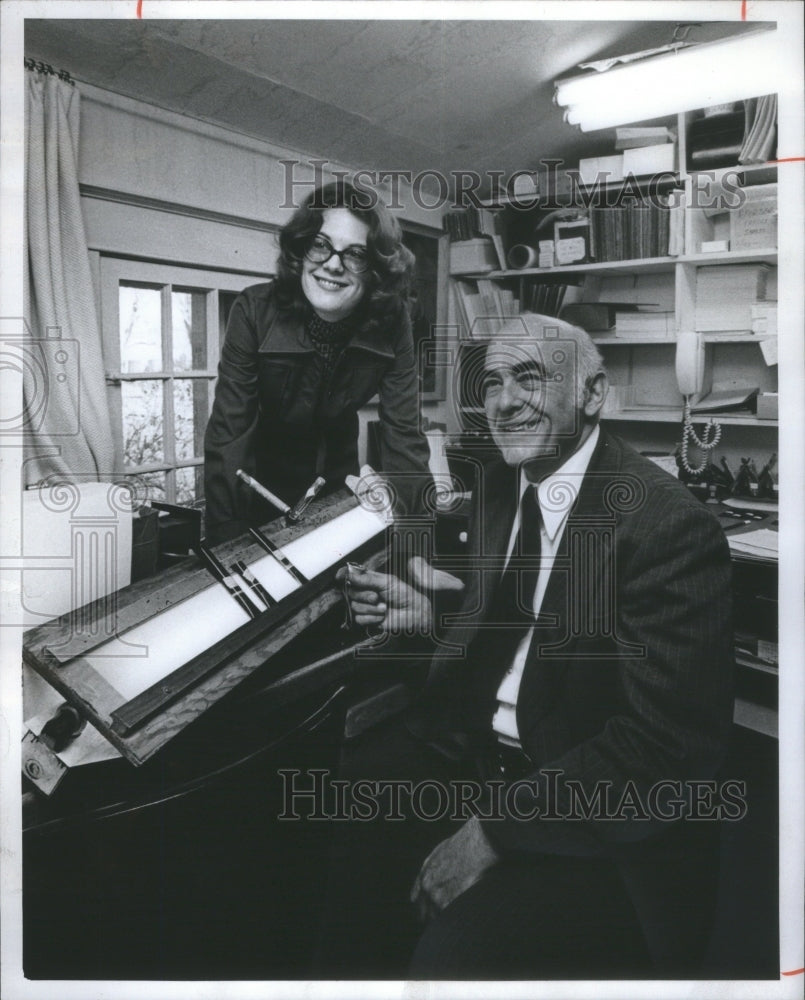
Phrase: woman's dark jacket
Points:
(279, 418)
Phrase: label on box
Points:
(753, 226)
(572, 251)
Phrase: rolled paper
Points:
(522, 255)
(172, 638)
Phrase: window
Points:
(163, 326)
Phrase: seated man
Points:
(591, 702)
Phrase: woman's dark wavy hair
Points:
(391, 263)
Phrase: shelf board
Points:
(612, 341)
(670, 416)
(736, 338)
(765, 256)
(738, 168)
(753, 664)
(597, 267)
(647, 264)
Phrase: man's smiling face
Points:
(530, 393)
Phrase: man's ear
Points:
(595, 392)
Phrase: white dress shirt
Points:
(556, 493)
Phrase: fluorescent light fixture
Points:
(732, 69)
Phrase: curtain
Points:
(68, 425)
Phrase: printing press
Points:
(164, 714)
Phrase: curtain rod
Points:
(37, 66)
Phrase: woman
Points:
(303, 353)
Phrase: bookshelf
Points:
(643, 364)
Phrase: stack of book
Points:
(470, 223)
(725, 296)
(482, 306)
(633, 230)
(716, 139)
(550, 298)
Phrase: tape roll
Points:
(521, 256)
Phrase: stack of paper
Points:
(758, 544)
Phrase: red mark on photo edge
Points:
(795, 972)
(139, 8)
(743, 9)
(789, 159)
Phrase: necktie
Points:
(514, 600)
(511, 610)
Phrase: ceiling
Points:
(387, 95)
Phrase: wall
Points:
(159, 185)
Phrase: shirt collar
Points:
(557, 492)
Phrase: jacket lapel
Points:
(285, 334)
(565, 616)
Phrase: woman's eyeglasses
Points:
(354, 259)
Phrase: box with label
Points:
(572, 241)
(753, 226)
(472, 257)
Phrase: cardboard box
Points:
(472, 257)
(601, 169)
(572, 241)
(646, 160)
(753, 226)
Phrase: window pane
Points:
(151, 486)
(189, 484)
(189, 329)
(190, 409)
(142, 422)
(140, 329)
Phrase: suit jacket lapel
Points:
(496, 513)
(554, 631)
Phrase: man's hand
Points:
(381, 600)
(428, 578)
(451, 868)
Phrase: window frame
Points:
(167, 277)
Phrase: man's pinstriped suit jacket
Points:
(628, 681)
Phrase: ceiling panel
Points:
(443, 95)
